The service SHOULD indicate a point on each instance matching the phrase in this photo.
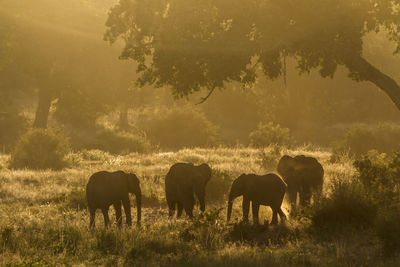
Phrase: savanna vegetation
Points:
(90, 85)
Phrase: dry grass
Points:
(44, 220)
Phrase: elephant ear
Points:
(286, 166)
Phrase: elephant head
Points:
(237, 189)
(286, 166)
(201, 177)
(134, 188)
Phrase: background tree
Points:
(189, 45)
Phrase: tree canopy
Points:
(194, 44)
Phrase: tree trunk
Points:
(43, 109)
(365, 71)
(123, 117)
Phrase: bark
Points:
(43, 109)
(365, 71)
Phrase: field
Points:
(44, 221)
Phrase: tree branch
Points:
(365, 71)
(203, 99)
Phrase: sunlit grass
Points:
(44, 220)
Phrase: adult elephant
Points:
(267, 190)
(111, 188)
(182, 182)
(304, 177)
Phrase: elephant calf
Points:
(111, 188)
(304, 177)
(266, 190)
(181, 183)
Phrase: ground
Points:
(44, 221)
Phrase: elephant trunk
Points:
(139, 205)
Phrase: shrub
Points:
(389, 232)
(269, 133)
(108, 140)
(380, 176)
(361, 139)
(347, 206)
(78, 109)
(12, 125)
(40, 149)
(179, 127)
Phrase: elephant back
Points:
(310, 169)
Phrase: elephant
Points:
(182, 182)
(303, 175)
(110, 188)
(267, 190)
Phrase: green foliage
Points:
(359, 140)
(380, 176)
(76, 108)
(12, 125)
(276, 28)
(40, 149)
(179, 127)
(268, 134)
(108, 140)
(348, 205)
(389, 232)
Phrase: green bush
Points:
(380, 175)
(348, 205)
(388, 231)
(78, 109)
(178, 127)
(40, 149)
(109, 140)
(361, 139)
(268, 134)
(13, 125)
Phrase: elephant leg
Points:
(189, 209)
(105, 215)
(282, 215)
(171, 207)
(305, 196)
(188, 202)
(246, 208)
(200, 196)
(255, 209)
(127, 209)
(118, 215)
(180, 209)
(274, 220)
(292, 194)
(92, 218)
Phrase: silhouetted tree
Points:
(194, 44)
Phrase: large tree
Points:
(194, 44)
